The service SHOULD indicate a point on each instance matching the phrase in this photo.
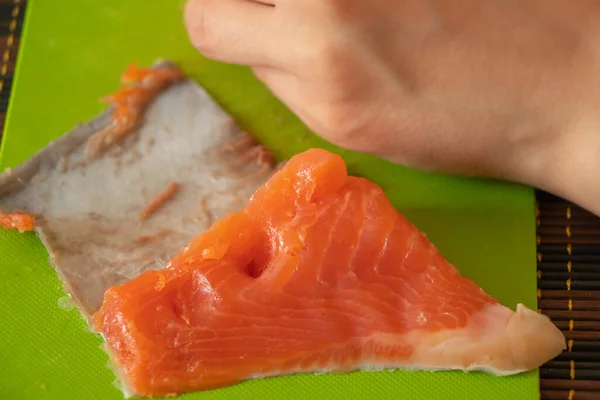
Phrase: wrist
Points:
(572, 168)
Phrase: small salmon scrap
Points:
(130, 103)
(17, 220)
(317, 273)
(170, 191)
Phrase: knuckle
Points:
(350, 127)
(338, 10)
(199, 27)
(335, 124)
(324, 53)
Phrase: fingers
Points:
(234, 31)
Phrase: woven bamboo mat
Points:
(568, 259)
(11, 21)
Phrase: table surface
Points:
(568, 256)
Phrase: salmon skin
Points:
(317, 273)
(83, 193)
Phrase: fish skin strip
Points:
(86, 211)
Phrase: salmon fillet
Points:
(317, 273)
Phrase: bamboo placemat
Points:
(11, 21)
(568, 258)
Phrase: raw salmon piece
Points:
(317, 273)
(130, 103)
(135, 74)
(17, 220)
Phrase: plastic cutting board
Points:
(71, 54)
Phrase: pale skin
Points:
(506, 89)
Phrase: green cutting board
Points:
(71, 54)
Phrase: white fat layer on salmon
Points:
(88, 212)
(120, 378)
(497, 341)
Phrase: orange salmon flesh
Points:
(317, 273)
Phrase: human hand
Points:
(504, 89)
